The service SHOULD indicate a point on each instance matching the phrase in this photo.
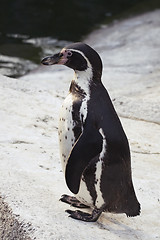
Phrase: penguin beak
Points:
(58, 58)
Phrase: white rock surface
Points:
(31, 179)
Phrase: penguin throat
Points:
(83, 80)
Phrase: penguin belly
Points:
(65, 131)
(66, 142)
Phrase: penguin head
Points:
(78, 56)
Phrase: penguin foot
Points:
(85, 216)
(74, 202)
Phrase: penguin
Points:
(94, 149)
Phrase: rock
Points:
(10, 227)
(13, 66)
(130, 51)
(31, 179)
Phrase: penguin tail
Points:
(134, 212)
(134, 207)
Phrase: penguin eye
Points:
(69, 54)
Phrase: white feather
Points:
(100, 201)
(66, 135)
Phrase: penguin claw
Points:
(78, 215)
(86, 217)
(69, 211)
(74, 202)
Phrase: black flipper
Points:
(87, 147)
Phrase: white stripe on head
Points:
(83, 78)
(78, 51)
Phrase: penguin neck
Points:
(83, 80)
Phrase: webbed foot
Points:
(85, 216)
(73, 201)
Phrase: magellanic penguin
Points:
(94, 149)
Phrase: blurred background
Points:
(31, 29)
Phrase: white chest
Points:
(67, 125)
(67, 139)
(65, 130)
